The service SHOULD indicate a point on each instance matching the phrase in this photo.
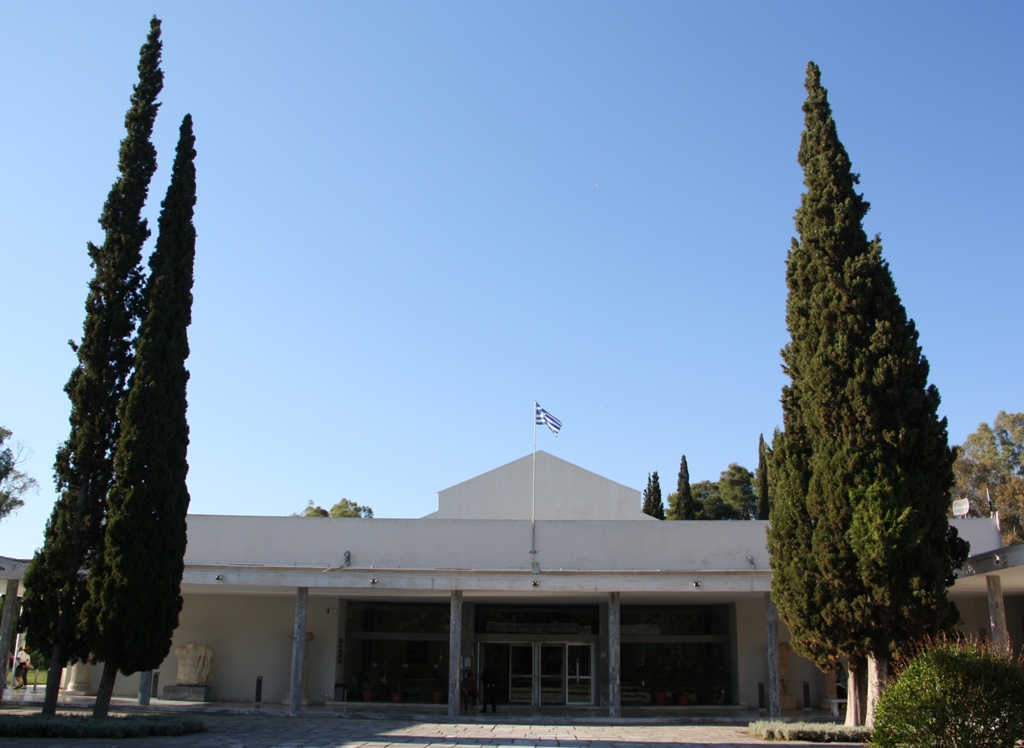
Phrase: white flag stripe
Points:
(546, 419)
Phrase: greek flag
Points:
(546, 419)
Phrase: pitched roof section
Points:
(564, 492)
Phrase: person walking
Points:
(24, 660)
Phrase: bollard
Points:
(760, 696)
(258, 701)
(807, 696)
(156, 684)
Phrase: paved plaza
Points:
(236, 728)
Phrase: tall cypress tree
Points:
(136, 585)
(763, 499)
(653, 504)
(863, 467)
(55, 587)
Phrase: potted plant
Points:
(370, 683)
(393, 679)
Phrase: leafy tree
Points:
(681, 504)
(343, 508)
(763, 497)
(135, 586)
(13, 483)
(989, 472)
(55, 588)
(653, 504)
(858, 538)
(736, 487)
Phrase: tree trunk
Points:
(52, 683)
(105, 691)
(854, 694)
(878, 676)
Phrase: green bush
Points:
(810, 732)
(80, 726)
(957, 694)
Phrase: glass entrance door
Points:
(520, 674)
(552, 674)
(543, 673)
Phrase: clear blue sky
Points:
(415, 218)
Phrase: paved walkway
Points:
(239, 726)
(346, 731)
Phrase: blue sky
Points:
(416, 218)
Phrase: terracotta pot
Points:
(438, 697)
(396, 696)
(684, 699)
(659, 697)
(367, 694)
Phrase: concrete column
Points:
(996, 612)
(772, 630)
(7, 629)
(80, 682)
(454, 653)
(601, 668)
(145, 687)
(7, 632)
(614, 656)
(298, 650)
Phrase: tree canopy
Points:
(652, 501)
(989, 472)
(858, 538)
(343, 508)
(55, 588)
(14, 484)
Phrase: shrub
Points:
(956, 694)
(80, 726)
(810, 732)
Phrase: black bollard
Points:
(258, 701)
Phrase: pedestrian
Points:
(24, 660)
(490, 681)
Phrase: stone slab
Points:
(187, 693)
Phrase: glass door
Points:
(520, 674)
(579, 676)
(552, 674)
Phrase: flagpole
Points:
(533, 505)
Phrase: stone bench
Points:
(833, 706)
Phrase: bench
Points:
(833, 706)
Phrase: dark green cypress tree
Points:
(763, 499)
(136, 586)
(863, 468)
(687, 506)
(653, 504)
(55, 588)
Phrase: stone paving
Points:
(278, 730)
(232, 726)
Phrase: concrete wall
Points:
(475, 544)
(564, 491)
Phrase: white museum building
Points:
(613, 610)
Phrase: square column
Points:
(455, 654)
(7, 629)
(614, 656)
(996, 612)
(298, 650)
(772, 631)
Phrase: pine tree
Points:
(653, 504)
(55, 588)
(136, 585)
(763, 499)
(863, 469)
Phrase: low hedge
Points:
(954, 693)
(82, 726)
(811, 732)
